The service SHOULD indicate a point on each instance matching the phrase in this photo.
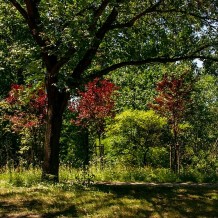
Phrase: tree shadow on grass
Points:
(112, 201)
(11, 209)
(66, 212)
(182, 202)
(69, 212)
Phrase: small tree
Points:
(134, 132)
(172, 102)
(94, 106)
(25, 109)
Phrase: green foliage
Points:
(136, 86)
(123, 173)
(158, 157)
(200, 139)
(73, 143)
(133, 132)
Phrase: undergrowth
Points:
(115, 173)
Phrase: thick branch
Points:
(20, 9)
(205, 17)
(97, 14)
(148, 61)
(33, 20)
(130, 23)
(91, 52)
(101, 9)
(67, 56)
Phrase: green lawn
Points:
(64, 200)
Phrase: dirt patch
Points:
(152, 184)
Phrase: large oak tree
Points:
(71, 42)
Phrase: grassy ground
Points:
(65, 200)
(23, 195)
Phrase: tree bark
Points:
(171, 156)
(145, 157)
(57, 102)
(176, 163)
(176, 159)
(86, 148)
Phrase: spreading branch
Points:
(32, 17)
(204, 17)
(91, 52)
(101, 9)
(131, 22)
(20, 9)
(149, 61)
(98, 13)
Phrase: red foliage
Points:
(28, 106)
(173, 97)
(172, 102)
(14, 93)
(94, 104)
(38, 103)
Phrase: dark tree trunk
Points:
(171, 156)
(57, 102)
(86, 147)
(176, 161)
(145, 157)
(178, 158)
(176, 168)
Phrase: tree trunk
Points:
(171, 156)
(145, 157)
(57, 102)
(86, 147)
(176, 161)
(176, 151)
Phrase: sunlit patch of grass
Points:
(124, 173)
(20, 178)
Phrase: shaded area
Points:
(11, 209)
(34, 203)
(110, 200)
(186, 201)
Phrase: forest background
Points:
(151, 107)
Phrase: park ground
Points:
(154, 200)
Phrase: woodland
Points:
(120, 90)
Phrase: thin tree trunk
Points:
(176, 157)
(145, 157)
(176, 147)
(171, 156)
(85, 146)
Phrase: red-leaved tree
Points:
(94, 106)
(27, 106)
(25, 109)
(172, 101)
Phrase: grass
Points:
(64, 200)
(23, 195)
(115, 173)
(124, 173)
